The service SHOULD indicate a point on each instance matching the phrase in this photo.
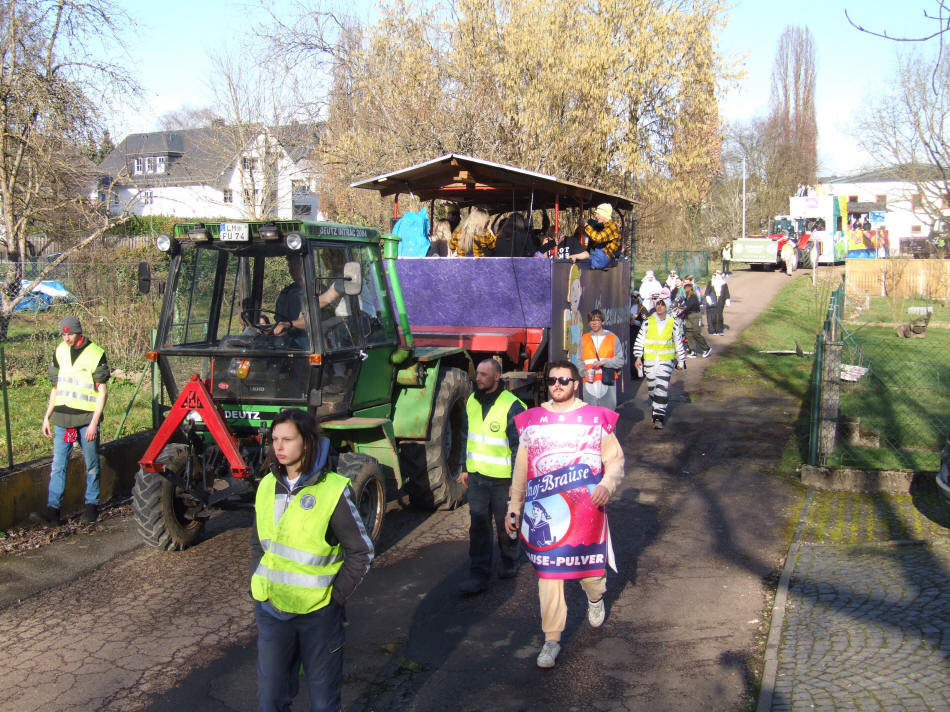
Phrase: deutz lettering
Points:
(245, 414)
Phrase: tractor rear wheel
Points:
(368, 489)
(804, 257)
(437, 486)
(163, 517)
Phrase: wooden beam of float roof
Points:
(467, 180)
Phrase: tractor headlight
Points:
(294, 241)
(164, 242)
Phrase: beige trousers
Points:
(553, 606)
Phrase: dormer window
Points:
(138, 166)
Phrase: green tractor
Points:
(262, 316)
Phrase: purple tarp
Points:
(483, 291)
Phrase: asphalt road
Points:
(696, 527)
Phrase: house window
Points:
(881, 200)
(148, 197)
(915, 229)
(915, 201)
(299, 188)
(227, 195)
(301, 210)
(150, 165)
(137, 166)
(852, 198)
(250, 196)
(159, 164)
(249, 163)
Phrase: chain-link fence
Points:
(881, 383)
(687, 262)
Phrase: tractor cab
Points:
(273, 315)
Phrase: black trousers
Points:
(487, 499)
(314, 640)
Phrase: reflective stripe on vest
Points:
(589, 353)
(486, 450)
(297, 570)
(74, 385)
(657, 345)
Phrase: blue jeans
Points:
(61, 453)
(314, 640)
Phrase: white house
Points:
(889, 190)
(218, 171)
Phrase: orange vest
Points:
(589, 354)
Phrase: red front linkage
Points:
(195, 396)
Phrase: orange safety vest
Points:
(589, 352)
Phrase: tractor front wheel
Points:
(368, 489)
(163, 516)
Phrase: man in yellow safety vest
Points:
(79, 372)
(491, 442)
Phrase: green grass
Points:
(789, 320)
(903, 402)
(27, 403)
(884, 309)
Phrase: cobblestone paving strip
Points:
(866, 628)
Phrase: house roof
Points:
(472, 181)
(905, 173)
(202, 156)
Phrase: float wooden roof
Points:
(471, 181)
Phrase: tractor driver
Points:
(288, 310)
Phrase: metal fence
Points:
(881, 383)
(694, 262)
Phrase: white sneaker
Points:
(706, 353)
(548, 653)
(596, 613)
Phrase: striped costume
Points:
(660, 345)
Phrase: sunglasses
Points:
(563, 380)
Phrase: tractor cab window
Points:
(376, 322)
(338, 323)
(194, 296)
(233, 322)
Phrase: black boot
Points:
(49, 516)
(91, 513)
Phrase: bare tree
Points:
(909, 132)
(53, 82)
(938, 18)
(187, 117)
(792, 122)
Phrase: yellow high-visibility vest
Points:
(658, 345)
(298, 567)
(74, 385)
(486, 450)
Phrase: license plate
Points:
(233, 232)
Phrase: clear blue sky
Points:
(852, 67)
(174, 38)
